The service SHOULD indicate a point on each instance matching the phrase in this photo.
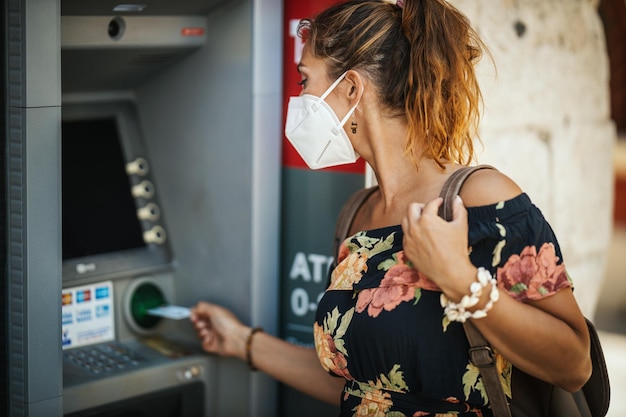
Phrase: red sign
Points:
(294, 11)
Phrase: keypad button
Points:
(103, 358)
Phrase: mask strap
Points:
(332, 86)
(345, 119)
(330, 90)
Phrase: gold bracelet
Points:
(253, 331)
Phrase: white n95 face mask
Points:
(314, 130)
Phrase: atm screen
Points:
(99, 213)
(87, 315)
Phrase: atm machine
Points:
(144, 146)
(117, 265)
(117, 261)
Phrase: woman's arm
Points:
(222, 333)
(547, 338)
(297, 367)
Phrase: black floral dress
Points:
(380, 324)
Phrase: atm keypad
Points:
(104, 358)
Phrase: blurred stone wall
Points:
(547, 121)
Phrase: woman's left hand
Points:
(546, 338)
(437, 248)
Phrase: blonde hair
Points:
(421, 58)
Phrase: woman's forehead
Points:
(309, 62)
(306, 55)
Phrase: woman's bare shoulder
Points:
(488, 186)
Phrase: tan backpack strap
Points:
(453, 185)
(484, 359)
(480, 352)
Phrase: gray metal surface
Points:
(153, 7)
(159, 373)
(33, 209)
(197, 119)
(96, 59)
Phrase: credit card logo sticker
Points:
(102, 292)
(67, 318)
(83, 315)
(83, 296)
(66, 339)
(88, 314)
(66, 298)
(103, 311)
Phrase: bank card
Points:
(170, 312)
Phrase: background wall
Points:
(547, 121)
(550, 123)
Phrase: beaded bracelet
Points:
(458, 311)
(253, 331)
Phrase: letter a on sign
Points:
(300, 268)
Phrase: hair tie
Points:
(399, 3)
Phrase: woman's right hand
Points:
(219, 330)
(222, 333)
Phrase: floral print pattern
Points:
(380, 325)
(532, 275)
(330, 345)
(401, 283)
(375, 400)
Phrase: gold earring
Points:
(353, 126)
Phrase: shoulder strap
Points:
(346, 216)
(480, 352)
(595, 395)
(453, 185)
(483, 358)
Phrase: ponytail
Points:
(442, 96)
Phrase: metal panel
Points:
(104, 53)
(266, 154)
(4, 288)
(33, 208)
(34, 263)
(40, 44)
(152, 7)
(197, 120)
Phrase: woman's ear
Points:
(356, 86)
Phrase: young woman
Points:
(395, 85)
